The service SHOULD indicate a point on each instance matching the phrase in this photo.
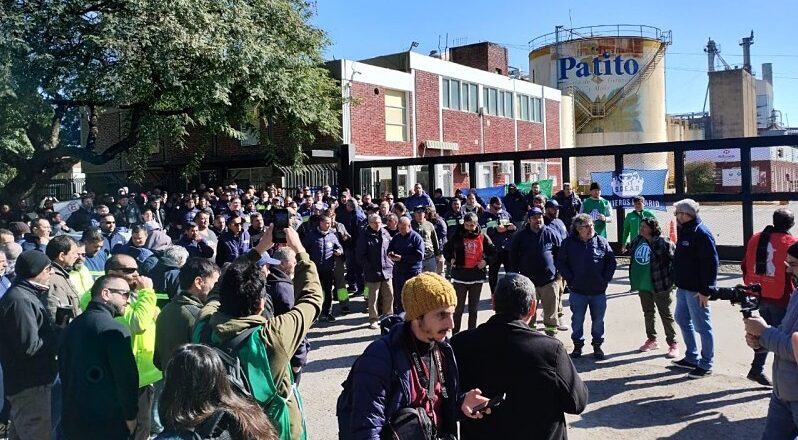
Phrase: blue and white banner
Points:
(619, 189)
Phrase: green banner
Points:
(545, 187)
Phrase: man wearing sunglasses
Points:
(139, 317)
(98, 348)
(234, 242)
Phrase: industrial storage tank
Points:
(616, 76)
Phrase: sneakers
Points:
(577, 353)
(673, 351)
(650, 344)
(759, 378)
(699, 373)
(598, 353)
(550, 330)
(345, 310)
(374, 325)
(562, 325)
(328, 317)
(684, 363)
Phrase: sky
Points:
(360, 29)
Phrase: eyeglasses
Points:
(110, 223)
(128, 270)
(679, 212)
(589, 225)
(123, 292)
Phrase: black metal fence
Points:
(739, 182)
(62, 189)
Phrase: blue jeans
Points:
(772, 314)
(782, 420)
(579, 306)
(691, 316)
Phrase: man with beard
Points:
(136, 248)
(97, 368)
(412, 367)
(63, 251)
(96, 254)
(194, 244)
(110, 231)
(256, 228)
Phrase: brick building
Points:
(399, 105)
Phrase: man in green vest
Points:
(598, 208)
(631, 224)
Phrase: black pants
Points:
(327, 278)
(501, 257)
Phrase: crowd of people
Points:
(168, 315)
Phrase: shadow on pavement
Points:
(720, 427)
(321, 329)
(315, 366)
(317, 342)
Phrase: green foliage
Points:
(172, 65)
(700, 176)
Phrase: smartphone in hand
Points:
(492, 403)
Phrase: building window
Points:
(498, 102)
(459, 95)
(530, 108)
(251, 137)
(395, 116)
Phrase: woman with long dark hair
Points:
(198, 402)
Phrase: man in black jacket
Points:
(97, 368)
(28, 344)
(505, 357)
(372, 255)
(280, 285)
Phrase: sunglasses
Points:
(123, 292)
(128, 270)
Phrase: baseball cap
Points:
(534, 211)
(421, 208)
(512, 185)
(552, 204)
(266, 259)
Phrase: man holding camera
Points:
(763, 265)
(781, 422)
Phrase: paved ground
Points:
(632, 395)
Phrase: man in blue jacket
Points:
(533, 252)
(194, 244)
(499, 227)
(393, 373)
(233, 242)
(695, 272)
(418, 198)
(406, 250)
(323, 247)
(587, 264)
(372, 254)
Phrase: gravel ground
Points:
(632, 395)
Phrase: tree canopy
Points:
(170, 65)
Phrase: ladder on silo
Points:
(597, 109)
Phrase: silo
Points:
(616, 76)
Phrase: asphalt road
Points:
(632, 395)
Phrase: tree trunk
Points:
(36, 173)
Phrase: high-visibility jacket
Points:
(776, 283)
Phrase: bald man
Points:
(407, 253)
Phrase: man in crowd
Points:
(240, 313)
(631, 224)
(540, 366)
(127, 212)
(418, 352)
(194, 244)
(418, 198)
(81, 219)
(551, 218)
(234, 242)
(63, 252)
(166, 274)
(570, 204)
(516, 205)
(762, 264)
(453, 217)
(587, 263)
(96, 253)
(175, 323)
(695, 272)
(39, 236)
(323, 248)
(499, 227)
(650, 272)
(97, 368)
(136, 248)
(5, 282)
(440, 202)
(533, 253)
(598, 208)
(110, 231)
(203, 230)
(432, 249)
(406, 250)
(256, 227)
(372, 254)
(28, 345)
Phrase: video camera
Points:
(747, 296)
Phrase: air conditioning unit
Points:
(481, 111)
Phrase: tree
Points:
(169, 65)
(700, 176)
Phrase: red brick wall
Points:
(459, 179)
(463, 128)
(427, 104)
(530, 136)
(499, 134)
(368, 123)
(483, 56)
(553, 123)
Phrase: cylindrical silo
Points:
(616, 75)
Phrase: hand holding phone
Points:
(492, 403)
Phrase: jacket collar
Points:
(97, 305)
(502, 318)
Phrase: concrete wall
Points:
(732, 103)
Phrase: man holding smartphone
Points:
(505, 357)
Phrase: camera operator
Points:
(780, 421)
(762, 265)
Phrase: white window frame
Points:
(467, 95)
(403, 109)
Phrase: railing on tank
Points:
(563, 34)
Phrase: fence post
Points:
(746, 187)
(619, 212)
(395, 181)
(472, 174)
(517, 171)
